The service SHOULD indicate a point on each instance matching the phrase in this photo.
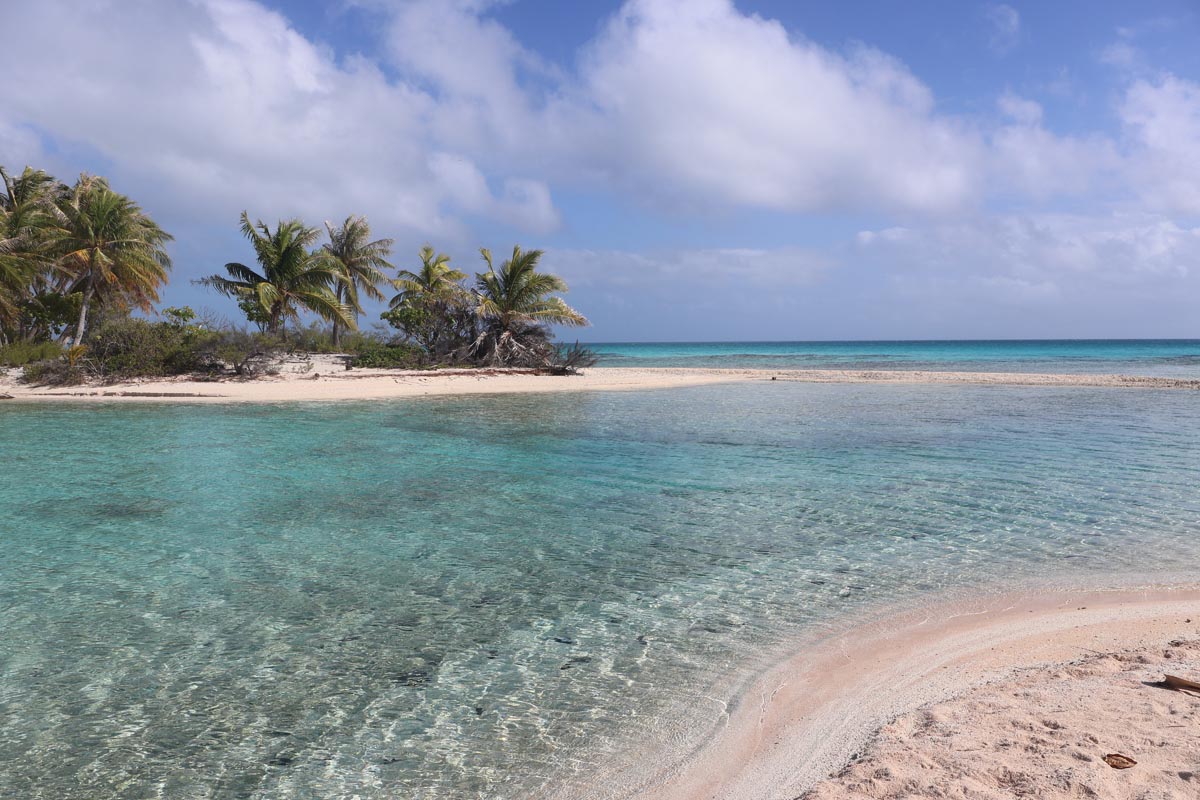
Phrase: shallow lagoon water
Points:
(485, 596)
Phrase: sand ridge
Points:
(324, 378)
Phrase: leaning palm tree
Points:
(111, 253)
(292, 277)
(360, 261)
(515, 304)
(24, 220)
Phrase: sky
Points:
(694, 169)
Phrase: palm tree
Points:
(432, 307)
(436, 278)
(24, 220)
(109, 250)
(292, 276)
(360, 261)
(516, 302)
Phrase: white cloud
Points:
(1006, 27)
(1027, 158)
(217, 105)
(220, 104)
(723, 293)
(1033, 275)
(1116, 249)
(1020, 109)
(205, 107)
(695, 103)
(1162, 121)
(697, 268)
(523, 203)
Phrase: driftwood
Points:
(1175, 682)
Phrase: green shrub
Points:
(247, 354)
(377, 355)
(18, 354)
(54, 372)
(137, 348)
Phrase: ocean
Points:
(486, 597)
(1174, 358)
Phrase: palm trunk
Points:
(342, 294)
(81, 326)
(273, 322)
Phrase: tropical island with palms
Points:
(77, 261)
(859, 461)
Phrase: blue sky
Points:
(696, 170)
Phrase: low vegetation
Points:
(76, 263)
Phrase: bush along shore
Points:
(77, 262)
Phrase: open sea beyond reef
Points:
(484, 597)
(1173, 358)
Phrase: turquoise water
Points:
(484, 597)
(1178, 358)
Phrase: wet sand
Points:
(1009, 696)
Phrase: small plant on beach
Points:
(569, 359)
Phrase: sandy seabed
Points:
(324, 378)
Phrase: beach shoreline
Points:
(325, 380)
(851, 714)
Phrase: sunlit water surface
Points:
(483, 597)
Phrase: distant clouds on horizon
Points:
(696, 169)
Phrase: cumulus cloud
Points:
(203, 107)
(696, 102)
(220, 104)
(1036, 162)
(1162, 120)
(688, 106)
(1115, 249)
(1037, 275)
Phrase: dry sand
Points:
(323, 378)
(1013, 696)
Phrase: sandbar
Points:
(323, 379)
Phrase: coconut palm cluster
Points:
(74, 258)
